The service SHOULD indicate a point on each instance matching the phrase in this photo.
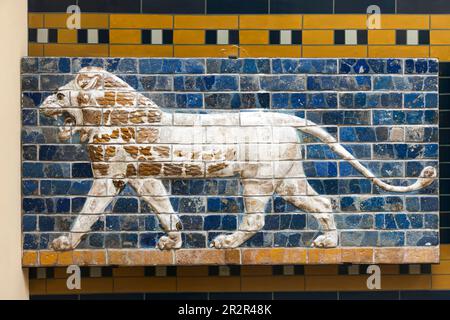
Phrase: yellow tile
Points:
(440, 37)
(318, 37)
(440, 282)
(48, 258)
(254, 37)
(206, 22)
(407, 21)
(135, 21)
(209, 284)
(331, 21)
(272, 51)
(88, 285)
(125, 36)
(398, 51)
(195, 271)
(205, 51)
(280, 283)
(445, 248)
(255, 271)
(270, 22)
(334, 51)
(406, 282)
(37, 286)
(29, 258)
(67, 36)
(75, 50)
(35, 20)
(442, 268)
(443, 54)
(189, 37)
(440, 21)
(151, 284)
(141, 50)
(88, 20)
(128, 272)
(381, 36)
(389, 269)
(321, 270)
(335, 283)
(35, 49)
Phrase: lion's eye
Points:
(60, 96)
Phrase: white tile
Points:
(224, 271)
(412, 37)
(42, 35)
(285, 37)
(414, 269)
(160, 271)
(288, 270)
(223, 37)
(157, 37)
(351, 37)
(41, 273)
(95, 272)
(353, 269)
(92, 36)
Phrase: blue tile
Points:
(301, 66)
(29, 223)
(171, 66)
(122, 65)
(242, 66)
(283, 83)
(126, 205)
(206, 83)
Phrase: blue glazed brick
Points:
(354, 186)
(82, 170)
(304, 100)
(310, 66)
(206, 83)
(357, 134)
(126, 205)
(411, 83)
(29, 117)
(428, 204)
(359, 238)
(30, 241)
(171, 66)
(288, 239)
(191, 205)
(29, 223)
(189, 100)
(414, 100)
(51, 82)
(249, 83)
(339, 83)
(220, 222)
(164, 100)
(46, 223)
(29, 65)
(63, 153)
(237, 101)
(320, 169)
(324, 152)
(292, 222)
(354, 221)
(149, 239)
(431, 221)
(122, 65)
(57, 205)
(421, 66)
(328, 186)
(79, 63)
(192, 222)
(33, 205)
(283, 83)
(339, 117)
(225, 205)
(32, 99)
(54, 65)
(30, 83)
(364, 66)
(272, 222)
(30, 187)
(112, 223)
(112, 241)
(242, 66)
(29, 153)
(129, 240)
(392, 239)
(194, 240)
(129, 223)
(422, 238)
(261, 239)
(155, 83)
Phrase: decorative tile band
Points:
(384, 113)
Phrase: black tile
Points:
(32, 273)
(173, 6)
(274, 36)
(213, 271)
(422, 6)
(296, 6)
(296, 37)
(444, 156)
(343, 269)
(339, 36)
(49, 273)
(299, 270)
(404, 269)
(52, 35)
(305, 295)
(54, 297)
(107, 272)
(177, 296)
(444, 138)
(235, 271)
(444, 85)
(400, 36)
(49, 5)
(171, 271)
(149, 271)
(241, 296)
(369, 295)
(211, 37)
(444, 217)
(113, 296)
(424, 36)
(85, 272)
(103, 36)
(32, 35)
(360, 6)
(361, 36)
(444, 184)
(113, 6)
(167, 36)
(233, 37)
(82, 36)
(444, 202)
(425, 269)
(425, 295)
(237, 6)
(277, 270)
(146, 36)
(444, 69)
(445, 236)
(444, 103)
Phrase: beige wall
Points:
(13, 34)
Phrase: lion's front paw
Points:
(225, 242)
(327, 240)
(172, 241)
(61, 244)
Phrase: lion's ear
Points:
(88, 81)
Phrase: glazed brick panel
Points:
(383, 111)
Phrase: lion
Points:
(131, 141)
